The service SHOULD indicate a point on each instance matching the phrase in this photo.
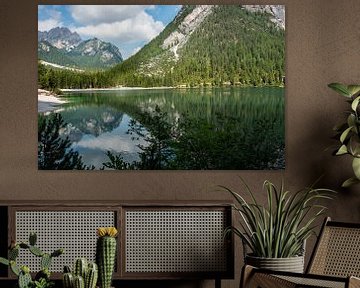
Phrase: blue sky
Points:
(127, 26)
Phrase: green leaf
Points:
(354, 144)
(36, 251)
(356, 167)
(14, 268)
(341, 89)
(355, 103)
(13, 253)
(351, 120)
(4, 261)
(349, 182)
(342, 150)
(345, 134)
(353, 89)
(32, 238)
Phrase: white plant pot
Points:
(291, 264)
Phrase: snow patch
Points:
(59, 66)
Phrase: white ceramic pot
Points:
(291, 264)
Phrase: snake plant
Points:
(279, 228)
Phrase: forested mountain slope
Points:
(210, 45)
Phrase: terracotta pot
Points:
(291, 264)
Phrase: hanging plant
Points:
(348, 132)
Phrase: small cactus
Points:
(67, 269)
(14, 268)
(89, 272)
(32, 239)
(13, 253)
(91, 276)
(24, 246)
(23, 273)
(80, 268)
(24, 280)
(57, 252)
(44, 273)
(68, 280)
(36, 251)
(45, 261)
(79, 282)
(106, 254)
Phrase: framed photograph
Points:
(161, 87)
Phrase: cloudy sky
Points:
(127, 26)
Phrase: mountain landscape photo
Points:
(161, 87)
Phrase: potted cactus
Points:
(84, 275)
(42, 278)
(106, 254)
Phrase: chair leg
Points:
(246, 274)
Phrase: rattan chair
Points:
(334, 263)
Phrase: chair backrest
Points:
(337, 251)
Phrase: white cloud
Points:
(53, 18)
(97, 14)
(108, 141)
(45, 25)
(142, 27)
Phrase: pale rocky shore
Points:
(48, 101)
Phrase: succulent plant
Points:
(106, 254)
(85, 275)
(42, 278)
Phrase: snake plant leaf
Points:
(353, 89)
(349, 182)
(342, 150)
(341, 89)
(356, 167)
(355, 103)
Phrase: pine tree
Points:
(53, 151)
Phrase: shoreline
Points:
(48, 101)
(154, 88)
(116, 88)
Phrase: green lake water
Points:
(209, 128)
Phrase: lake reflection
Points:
(214, 128)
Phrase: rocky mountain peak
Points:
(276, 11)
(62, 47)
(60, 37)
(95, 46)
(179, 37)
